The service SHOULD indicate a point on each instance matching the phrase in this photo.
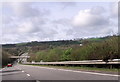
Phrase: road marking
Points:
(96, 73)
(89, 72)
(37, 81)
(10, 73)
(28, 74)
(22, 71)
(81, 72)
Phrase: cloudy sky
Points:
(46, 21)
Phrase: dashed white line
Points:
(37, 81)
(23, 71)
(28, 74)
(10, 73)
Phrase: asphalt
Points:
(37, 74)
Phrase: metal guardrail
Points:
(19, 56)
(93, 62)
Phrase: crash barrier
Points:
(90, 63)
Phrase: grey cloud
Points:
(98, 10)
(64, 22)
(27, 19)
(31, 24)
(115, 10)
(81, 33)
(23, 9)
(27, 24)
(92, 22)
(90, 18)
(6, 19)
(68, 4)
(67, 29)
(28, 11)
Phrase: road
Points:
(28, 72)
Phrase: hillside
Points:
(66, 50)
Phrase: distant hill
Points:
(55, 43)
(65, 50)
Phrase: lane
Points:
(14, 73)
(45, 73)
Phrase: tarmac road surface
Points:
(30, 73)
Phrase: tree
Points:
(66, 55)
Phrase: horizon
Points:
(75, 39)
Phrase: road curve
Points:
(28, 72)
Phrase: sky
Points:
(48, 21)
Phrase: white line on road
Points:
(10, 73)
(37, 81)
(22, 71)
(81, 72)
(93, 73)
(28, 74)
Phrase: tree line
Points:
(91, 50)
